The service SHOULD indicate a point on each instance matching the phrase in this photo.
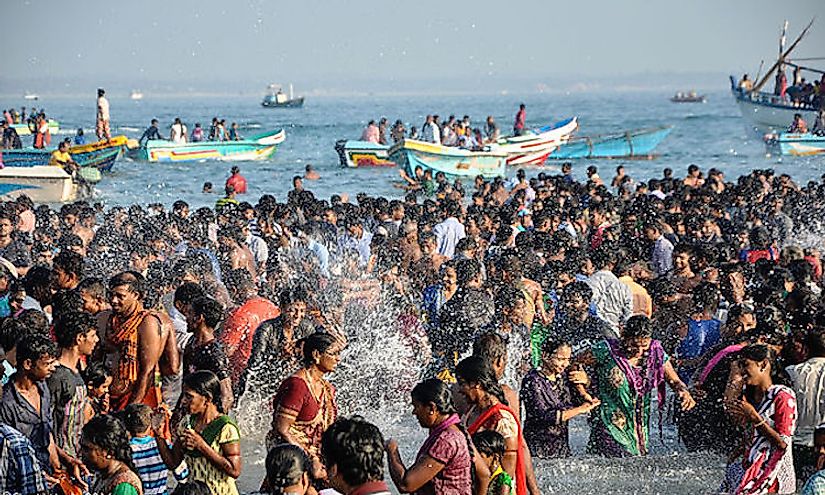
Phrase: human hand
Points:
(686, 400)
(591, 404)
(391, 446)
(192, 441)
(578, 377)
(158, 419)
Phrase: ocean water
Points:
(712, 134)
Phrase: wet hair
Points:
(95, 374)
(475, 370)
(467, 270)
(108, 433)
(434, 391)
(578, 288)
(211, 310)
(816, 342)
(38, 284)
(11, 331)
(66, 301)
(637, 327)
(205, 383)
(71, 325)
(551, 345)
(490, 443)
(356, 447)
(35, 321)
(192, 487)
(34, 347)
(133, 280)
(285, 464)
(137, 418)
(69, 262)
(507, 298)
(706, 297)
(188, 292)
(94, 286)
(490, 346)
(318, 341)
(291, 296)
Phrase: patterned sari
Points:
(313, 415)
(620, 425)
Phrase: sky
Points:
(335, 45)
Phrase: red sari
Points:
(488, 420)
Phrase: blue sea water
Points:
(712, 134)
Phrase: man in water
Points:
(236, 180)
(102, 124)
(151, 133)
(521, 118)
(310, 173)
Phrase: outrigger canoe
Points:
(795, 144)
(455, 162)
(258, 147)
(536, 145)
(638, 143)
(356, 154)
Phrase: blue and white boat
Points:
(797, 144)
(639, 143)
(454, 162)
(43, 184)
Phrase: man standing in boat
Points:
(521, 118)
(102, 125)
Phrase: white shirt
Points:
(613, 299)
(177, 133)
(102, 108)
(447, 234)
(808, 381)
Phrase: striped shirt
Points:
(151, 469)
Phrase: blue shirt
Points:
(815, 484)
(322, 253)
(701, 336)
(447, 234)
(21, 472)
(361, 246)
(16, 412)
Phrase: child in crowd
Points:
(490, 445)
(97, 379)
(145, 454)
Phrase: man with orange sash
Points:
(132, 340)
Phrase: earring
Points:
(108, 456)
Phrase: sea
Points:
(711, 134)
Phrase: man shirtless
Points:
(136, 342)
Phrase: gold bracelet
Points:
(757, 425)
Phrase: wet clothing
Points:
(701, 336)
(239, 330)
(209, 356)
(238, 182)
(150, 134)
(17, 412)
(221, 431)
(68, 393)
(502, 419)
(313, 415)
(544, 400)
(449, 446)
(21, 470)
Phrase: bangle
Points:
(757, 425)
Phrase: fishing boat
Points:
(772, 111)
(638, 143)
(43, 184)
(258, 147)
(275, 98)
(136, 95)
(533, 147)
(100, 156)
(689, 97)
(24, 130)
(795, 144)
(357, 154)
(30, 96)
(455, 162)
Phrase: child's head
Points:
(137, 418)
(97, 379)
(490, 444)
(192, 487)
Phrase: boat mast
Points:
(782, 57)
(291, 94)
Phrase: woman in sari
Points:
(626, 371)
(443, 463)
(305, 403)
(210, 441)
(768, 462)
(105, 449)
(489, 411)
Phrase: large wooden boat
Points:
(536, 145)
(797, 144)
(639, 143)
(100, 155)
(258, 147)
(455, 162)
(357, 154)
(43, 184)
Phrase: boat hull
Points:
(23, 129)
(801, 144)
(103, 159)
(767, 113)
(360, 154)
(42, 184)
(534, 148)
(455, 162)
(294, 103)
(631, 144)
(257, 148)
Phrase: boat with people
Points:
(23, 128)
(276, 98)
(358, 154)
(41, 183)
(637, 143)
(451, 160)
(258, 147)
(100, 155)
(688, 97)
(771, 111)
(797, 144)
(534, 146)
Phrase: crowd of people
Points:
(179, 132)
(129, 334)
(37, 123)
(451, 132)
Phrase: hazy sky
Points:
(334, 43)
